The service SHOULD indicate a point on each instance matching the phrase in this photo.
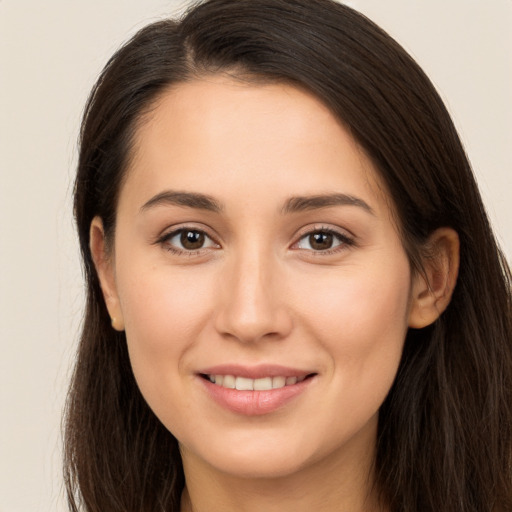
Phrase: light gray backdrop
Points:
(50, 53)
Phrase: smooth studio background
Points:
(50, 55)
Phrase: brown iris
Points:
(192, 240)
(321, 241)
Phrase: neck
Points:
(341, 482)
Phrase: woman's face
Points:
(255, 247)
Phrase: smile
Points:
(247, 384)
(255, 390)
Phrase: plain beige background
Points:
(50, 54)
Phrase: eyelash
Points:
(344, 241)
(166, 238)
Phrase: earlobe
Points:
(432, 289)
(105, 270)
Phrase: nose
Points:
(251, 304)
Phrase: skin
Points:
(258, 291)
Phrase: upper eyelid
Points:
(165, 238)
(336, 230)
(347, 240)
(175, 232)
(172, 231)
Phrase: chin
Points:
(260, 467)
(270, 457)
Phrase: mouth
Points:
(255, 390)
(241, 383)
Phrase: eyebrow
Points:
(187, 199)
(305, 203)
(294, 204)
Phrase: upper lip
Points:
(255, 372)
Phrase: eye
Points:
(323, 240)
(187, 240)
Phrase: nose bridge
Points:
(251, 305)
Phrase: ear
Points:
(103, 262)
(432, 290)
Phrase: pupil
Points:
(321, 241)
(192, 239)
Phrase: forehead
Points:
(214, 134)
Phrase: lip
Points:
(255, 403)
(255, 372)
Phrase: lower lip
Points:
(254, 403)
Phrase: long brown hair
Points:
(445, 429)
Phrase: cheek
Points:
(355, 303)
(162, 301)
(360, 318)
(163, 319)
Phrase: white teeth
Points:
(242, 384)
(263, 384)
(245, 384)
(279, 382)
(229, 381)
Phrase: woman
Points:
(295, 300)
